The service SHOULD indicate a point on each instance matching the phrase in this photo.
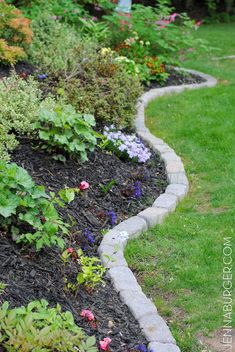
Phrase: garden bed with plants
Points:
(71, 165)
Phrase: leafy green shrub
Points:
(20, 101)
(65, 130)
(7, 142)
(67, 11)
(149, 67)
(99, 85)
(15, 34)
(27, 211)
(52, 45)
(166, 32)
(37, 328)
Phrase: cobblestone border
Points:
(153, 326)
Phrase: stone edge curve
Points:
(113, 244)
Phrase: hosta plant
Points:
(63, 130)
(37, 328)
(27, 211)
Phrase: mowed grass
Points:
(179, 263)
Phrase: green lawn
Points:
(179, 263)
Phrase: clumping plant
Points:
(15, 34)
(27, 211)
(124, 145)
(52, 47)
(91, 271)
(36, 327)
(98, 84)
(20, 101)
(65, 130)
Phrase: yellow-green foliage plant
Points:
(20, 101)
(15, 34)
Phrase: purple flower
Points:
(42, 76)
(112, 217)
(141, 348)
(89, 236)
(137, 189)
(129, 145)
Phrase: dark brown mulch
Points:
(31, 276)
(176, 78)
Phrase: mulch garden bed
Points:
(31, 276)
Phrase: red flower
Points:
(70, 250)
(84, 185)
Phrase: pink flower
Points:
(87, 314)
(94, 18)
(198, 23)
(104, 344)
(173, 17)
(84, 185)
(70, 250)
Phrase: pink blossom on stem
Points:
(198, 23)
(70, 250)
(173, 17)
(104, 344)
(84, 185)
(87, 314)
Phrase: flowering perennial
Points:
(127, 145)
(89, 236)
(112, 215)
(137, 189)
(104, 344)
(87, 314)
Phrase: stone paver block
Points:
(138, 304)
(178, 190)
(163, 347)
(123, 279)
(150, 139)
(155, 329)
(178, 177)
(153, 215)
(115, 238)
(167, 201)
(170, 156)
(134, 226)
(162, 148)
(111, 256)
(174, 166)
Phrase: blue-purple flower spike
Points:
(89, 236)
(112, 216)
(137, 189)
(141, 348)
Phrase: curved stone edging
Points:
(112, 246)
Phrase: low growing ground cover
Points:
(180, 263)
